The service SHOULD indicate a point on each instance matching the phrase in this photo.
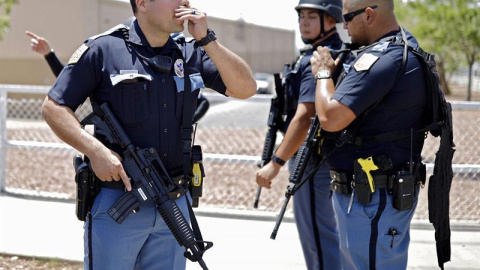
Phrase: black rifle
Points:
(150, 182)
(300, 164)
(306, 151)
(275, 123)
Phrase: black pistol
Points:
(87, 187)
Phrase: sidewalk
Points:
(241, 238)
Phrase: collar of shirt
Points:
(137, 37)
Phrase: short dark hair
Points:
(134, 6)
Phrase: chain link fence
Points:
(34, 161)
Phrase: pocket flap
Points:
(196, 82)
(128, 78)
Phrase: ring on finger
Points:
(193, 12)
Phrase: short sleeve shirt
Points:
(301, 81)
(370, 79)
(147, 103)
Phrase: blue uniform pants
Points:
(315, 219)
(142, 241)
(366, 238)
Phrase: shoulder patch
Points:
(365, 62)
(77, 54)
(380, 47)
(109, 31)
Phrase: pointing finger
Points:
(126, 180)
(32, 35)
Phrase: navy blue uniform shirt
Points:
(147, 103)
(401, 108)
(301, 82)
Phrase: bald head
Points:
(386, 6)
(374, 22)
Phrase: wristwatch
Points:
(278, 160)
(323, 74)
(209, 38)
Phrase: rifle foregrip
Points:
(182, 232)
(300, 163)
(176, 222)
(270, 140)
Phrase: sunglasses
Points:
(347, 17)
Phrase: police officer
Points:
(312, 204)
(380, 94)
(41, 46)
(147, 98)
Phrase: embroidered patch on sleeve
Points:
(365, 62)
(77, 54)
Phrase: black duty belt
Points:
(342, 181)
(178, 191)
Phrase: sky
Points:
(272, 13)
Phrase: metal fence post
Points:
(3, 138)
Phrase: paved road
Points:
(241, 238)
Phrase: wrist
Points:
(207, 39)
(50, 53)
(278, 160)
(323, 74)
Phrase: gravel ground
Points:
(231, 185)
(13, 262)
(228, 184)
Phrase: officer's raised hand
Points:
(322, 60)
(39, 44)
(197, 20)
(234, 71)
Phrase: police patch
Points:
(77, 54)
(178, 67)
(365, 62)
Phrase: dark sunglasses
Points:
(347, 17)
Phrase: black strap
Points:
(396, 135)
(351, 132)
(187, 130)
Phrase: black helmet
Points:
(331, 7)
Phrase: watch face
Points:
(323, 74)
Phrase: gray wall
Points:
(67, 23)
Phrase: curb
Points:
(217, 212)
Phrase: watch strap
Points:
(209, 38)
(278, 160)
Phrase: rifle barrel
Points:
(257, 197)
(280, 217)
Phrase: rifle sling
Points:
(187, 130)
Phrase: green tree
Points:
(5, 9)
(448, 28)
